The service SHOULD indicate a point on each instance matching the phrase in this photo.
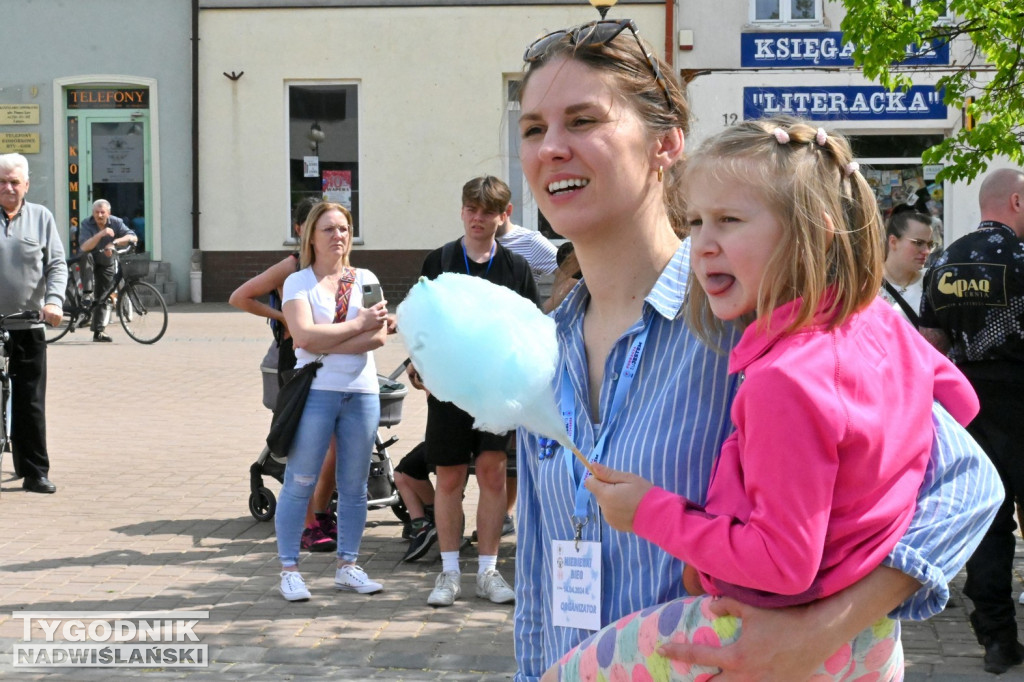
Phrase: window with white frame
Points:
(323, 124)
(524, 208)
(788, 12)
(943, 9)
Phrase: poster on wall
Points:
(337, 187)
(310, 166)
(117, 158)
(904, 186)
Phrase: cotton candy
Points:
(485, 348)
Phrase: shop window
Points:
(323, 155)
(786, 12)
(891, 164)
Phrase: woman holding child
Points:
(602, 137)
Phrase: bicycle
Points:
(140, 306)
(5, 379)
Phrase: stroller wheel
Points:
(401, 512)
(262, 504)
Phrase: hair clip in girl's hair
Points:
(821, 137)
(851, 168)
(781, 136)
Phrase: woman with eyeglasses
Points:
(908, 243)
(327, 317)
(602, 135)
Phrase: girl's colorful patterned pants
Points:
(626, 650)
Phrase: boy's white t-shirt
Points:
(353, 373)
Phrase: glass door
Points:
(115, 169)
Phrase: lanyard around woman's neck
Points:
(490, 261)
(567, 405)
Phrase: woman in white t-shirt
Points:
(323, 306)
(908, 241)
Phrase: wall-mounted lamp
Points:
(603, 6)
(316, 135)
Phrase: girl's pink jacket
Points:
(819, 480)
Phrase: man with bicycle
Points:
(98, 236)
(33, 276)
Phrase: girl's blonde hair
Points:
(307, 256)
(802, 173)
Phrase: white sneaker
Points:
(354, 579)
(293, 588)
(490, 585)
(446, 590)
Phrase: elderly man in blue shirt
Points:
(98, 236)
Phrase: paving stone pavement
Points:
(151, 448)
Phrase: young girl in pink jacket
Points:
(833, 422)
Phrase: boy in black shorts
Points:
(452, 442)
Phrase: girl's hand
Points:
(691, 581)
(619, 494)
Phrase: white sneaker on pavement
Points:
(490, 585)
(293, 587)
(446, 590)
(354, 579)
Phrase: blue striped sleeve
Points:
(958, 500)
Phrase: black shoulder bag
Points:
(902, 303)
(291, 401)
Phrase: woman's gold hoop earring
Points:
(661, 173)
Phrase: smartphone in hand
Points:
(372, 295)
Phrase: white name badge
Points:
(576, 572)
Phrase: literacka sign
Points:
(845, 103)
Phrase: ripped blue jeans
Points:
(352, 418)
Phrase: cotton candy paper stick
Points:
(486, 349)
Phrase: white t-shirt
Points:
(348, 372)
(533, 246)
(911, 294)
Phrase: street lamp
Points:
(603, 6)
(316, 135)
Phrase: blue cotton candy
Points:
(486, 349)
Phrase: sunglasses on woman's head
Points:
(596, 34)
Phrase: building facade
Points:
(388, 108)
(98, 97)
(754, 58)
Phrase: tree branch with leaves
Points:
(986, 39)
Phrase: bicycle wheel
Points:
(142, 311)
(60, 331)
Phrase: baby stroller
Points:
(380, 485)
